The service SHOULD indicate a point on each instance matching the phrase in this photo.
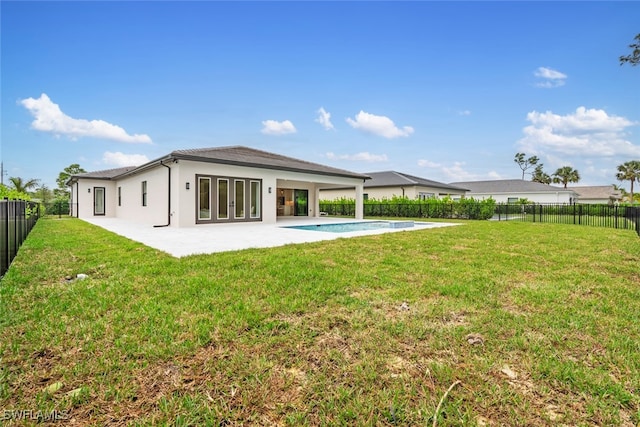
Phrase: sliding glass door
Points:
(301, 202)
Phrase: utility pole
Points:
(2, 173)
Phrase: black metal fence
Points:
(57, 207)
(17, 218)
(611, 216)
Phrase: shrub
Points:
(403, 207)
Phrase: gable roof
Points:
(398, 179)
(597, 192)
(230, 155)
(509, 186)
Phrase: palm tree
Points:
(23, 186)
(629, 171)
(540, 176)
(565, 175)
(621, 190)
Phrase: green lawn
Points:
(540, 323)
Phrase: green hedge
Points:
(467, 208)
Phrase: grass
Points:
(540, 323)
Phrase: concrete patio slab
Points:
(212, 238)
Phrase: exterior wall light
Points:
(269, 190)
(187, 186)
(88, 190)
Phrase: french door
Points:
(228, 199)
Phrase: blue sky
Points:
(448, 91)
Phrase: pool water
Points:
(353, 226)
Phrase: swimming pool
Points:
(347, 227)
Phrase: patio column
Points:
(359, 201)
(316, 204)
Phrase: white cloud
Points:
(49, 118)
(428, 164)
(457, 171)
(586, 133)
(550, 77)
(360, 157)
(272, 127)
(464, 113)
(378, 125)
(324, 118)
(119, 159)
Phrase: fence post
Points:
(6, 258)
(579, 214)
(23, 222)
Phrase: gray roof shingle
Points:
(245, 156)
(106, 173)
(509, 186)
(597, 192)
(233, 155)
(396, 179)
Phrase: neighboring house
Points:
(386, 185)
(210, 185)
(600, 194)
(512, 190)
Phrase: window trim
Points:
(199, 179)
(144, 193)
(258, 204)
(214, 197)
(243, 201)
(227, 200)
(104, 201)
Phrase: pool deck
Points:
(212, 238)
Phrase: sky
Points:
(447, 91)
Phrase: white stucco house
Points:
(512, 190)
(210, 185)
(387, 184)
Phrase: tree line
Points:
(628, 171)
(32, 189)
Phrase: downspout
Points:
(168, 198)
(78, 199)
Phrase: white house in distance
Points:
(386, 185)
(208, 186)
(512, 190)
